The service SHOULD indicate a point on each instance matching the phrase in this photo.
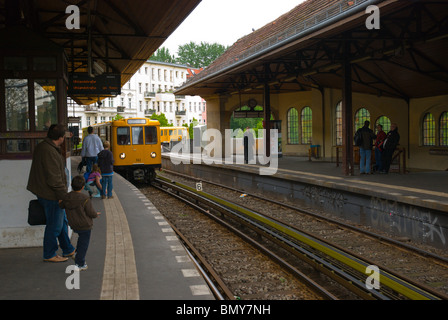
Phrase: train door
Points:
(138, 152)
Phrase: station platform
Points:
(426, 188)
(133, 255)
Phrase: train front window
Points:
(123, 137)
(151, 135)
(137, 135)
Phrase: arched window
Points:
(443, 125)
(306, 121)
(338, 124)
(385, 122)
(293, 126)
(360, 117)
(429, 130)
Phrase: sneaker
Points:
(96, 195)
(111, 197)
(80, 268)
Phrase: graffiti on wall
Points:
(324, 197)
(402, 219)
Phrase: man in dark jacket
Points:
(365, 149)
(48, 181)
(80, 213)
(389, 146)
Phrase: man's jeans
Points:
(56, 229)
(364, 161)
(90, 161)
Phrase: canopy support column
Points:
(347, 114)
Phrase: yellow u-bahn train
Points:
(175, 134)
(135, 145)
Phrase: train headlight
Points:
(122, 155)
(153, 154)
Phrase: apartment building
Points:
(149, 91)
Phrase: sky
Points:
(224, 22)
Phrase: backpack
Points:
(358, 138)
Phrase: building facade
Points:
(149, 91)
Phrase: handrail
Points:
(397, 154)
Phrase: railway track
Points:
(237, 268)
(346, 268)
(421, 264)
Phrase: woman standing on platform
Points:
(380, 137)
(389, 146)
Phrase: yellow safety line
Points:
(387, 279)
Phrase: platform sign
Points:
(105, 84)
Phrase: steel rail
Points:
(387, 279)
(313, 285)
(388, 240)
(220, 290)
(337, 274)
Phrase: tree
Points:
(198, 56)
(162, 119)
(163, 55)
(191, 126)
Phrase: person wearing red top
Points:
(380, 137)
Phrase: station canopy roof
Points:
(306, 48)
(117, 36)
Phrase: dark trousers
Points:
(90, 161)
(82, 246)
(387, 159)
